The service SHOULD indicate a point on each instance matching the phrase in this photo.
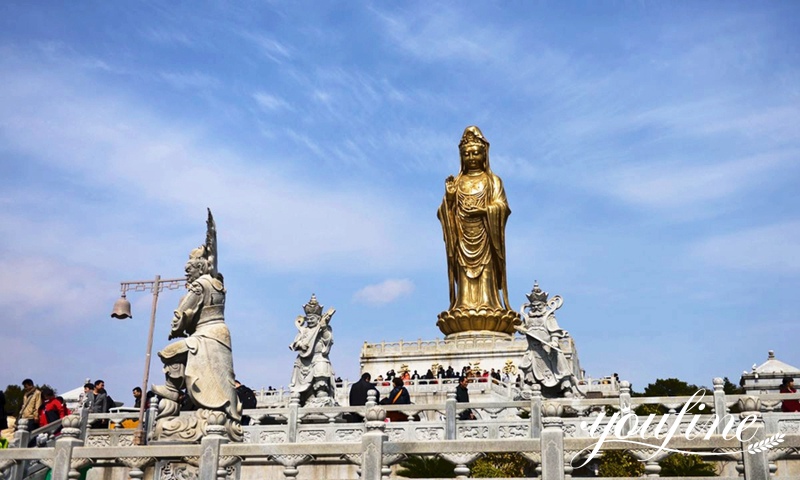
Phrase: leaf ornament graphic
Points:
(766, 444)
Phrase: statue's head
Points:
(474, 149)
(197, 264)
(313, 307)
(537, 298)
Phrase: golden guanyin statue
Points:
(473, 216)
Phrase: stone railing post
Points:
(86, 407)
(756, 465)
(625, 404)
(535, 394)
(293, 417)
(150, 420)
(21, 439)
(552, 449)
(63, 466)
(450, 416)
(720, 407)
(209, 447)
(372, 442)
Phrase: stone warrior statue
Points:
(544, 362)
(473, 215)
(312, 377)
(201, 361)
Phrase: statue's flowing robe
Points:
(541, 363)
(475, 245)
(208, 375)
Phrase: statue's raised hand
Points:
(450, 185)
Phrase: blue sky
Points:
(649, 152)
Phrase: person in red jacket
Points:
(52, 409)
(788, 387)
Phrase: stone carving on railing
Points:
(544, 362)
(201, 361)
(312, 377)
(137, 465)
(462, 460)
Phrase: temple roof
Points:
(775, 366)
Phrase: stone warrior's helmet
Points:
(206, 255)
(313, 307)
(473, 136)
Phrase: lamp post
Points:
(122, 310)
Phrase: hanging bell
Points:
(122, 308)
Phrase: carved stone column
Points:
(756, 464)
(450, 416)
(209, 447)
(552, 449)
(63, 466)
(372, 443)
(625, 404)
(21, 439)
(536, 409)
(292, 419)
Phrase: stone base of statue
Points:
(492, 322)
(192, 426)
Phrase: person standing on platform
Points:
(358, 395)
(788, 387)
(31, 402)
(462, 396)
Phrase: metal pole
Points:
(138, 436)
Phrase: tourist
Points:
(788, 387)
(462, 396)
(398, 396)
(247, 398)
(137, 397)
(358, 396)
(415, 375)
(31, 402)
(52, 409)
(87, 397)
(100, 403)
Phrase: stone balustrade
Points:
(288, 440)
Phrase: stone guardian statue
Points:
(313, 379)
(201, 360)
(473, 215)
(544, 362)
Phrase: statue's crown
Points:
(472, 136)
(537, 295)
(312, 307)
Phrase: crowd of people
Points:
(399, 395)
(41, 406)
(449, 373)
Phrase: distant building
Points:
(767, 377)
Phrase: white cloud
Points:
(385, 292)
(768, 249)
(676, 185)
(269, 102)
(268, 216)
(269, 47)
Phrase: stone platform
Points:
(484, 350)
